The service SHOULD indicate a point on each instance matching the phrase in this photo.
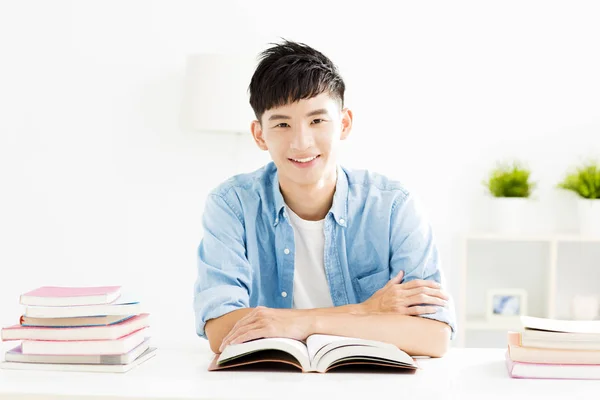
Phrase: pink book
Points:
(551, 371)
(70, 296)
(120, 345)
(106, 332)
(560, 355)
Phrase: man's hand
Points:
(412, 298)
(270, 322)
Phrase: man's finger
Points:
(420, 283)
(234, 338)
(424, 299)
(395, 280)
(419, 310)
(425, 290)
(251, 335)
(247, 320)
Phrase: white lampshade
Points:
(216, 95)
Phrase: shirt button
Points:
(342, 221)
(286, 251)
(283, 294)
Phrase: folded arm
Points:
(415, 335)
(390, 315)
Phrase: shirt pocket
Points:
(369, 284)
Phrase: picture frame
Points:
(506, 304)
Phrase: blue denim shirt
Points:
(373, 230)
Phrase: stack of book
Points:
(554, 349)
(78, 329)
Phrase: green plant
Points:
(585, 181)
(510, 179)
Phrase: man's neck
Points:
(310, 202)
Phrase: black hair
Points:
(292, 71)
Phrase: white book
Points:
(559, 340)
(149, 353)
(118, 346)
(558, 325)
(117, 308)
(320, 353)
(16, 355)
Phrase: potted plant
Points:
(510, 186)
(585, 182)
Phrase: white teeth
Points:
(304, 160)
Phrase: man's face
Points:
(303, 138)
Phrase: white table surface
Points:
(182, 374)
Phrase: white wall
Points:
(99, 185)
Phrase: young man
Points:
(305, 246)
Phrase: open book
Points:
(320, 353)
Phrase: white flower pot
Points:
(589, 216)
(509, 214)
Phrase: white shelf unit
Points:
(545, 303)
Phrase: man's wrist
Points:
(309, 319)
(315, 319)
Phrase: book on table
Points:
(119, 307)
(70, 296)
(113, 346)
(554, 349)
(560, 325)
(68, 367)
(73, 322)
(550, 355)
(105, 332)
(16, 355)
(319, 353)
(94, 329)
(550, 333)
(518, 369)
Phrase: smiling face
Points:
(303, 138)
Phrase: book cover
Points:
(120, 307)
(117, 368)
(541, 355)
(16, 355)
(518, 369)
(106, 332)
(85, 347)
(73, 322)
(70, 296)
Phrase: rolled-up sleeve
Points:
(224, 275)
(414, 251)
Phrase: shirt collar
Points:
(339, 207)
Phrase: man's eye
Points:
(280, 125)
(318, 120)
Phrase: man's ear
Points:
(257, 134)
(346, 123)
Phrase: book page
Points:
(318, 345)
(362, 354)
(293, 347)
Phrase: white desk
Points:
(178, 374)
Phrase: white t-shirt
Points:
(311, 289)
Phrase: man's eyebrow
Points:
(310, 114)
(317, 112)
(278, 116)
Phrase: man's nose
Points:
(303, 138)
